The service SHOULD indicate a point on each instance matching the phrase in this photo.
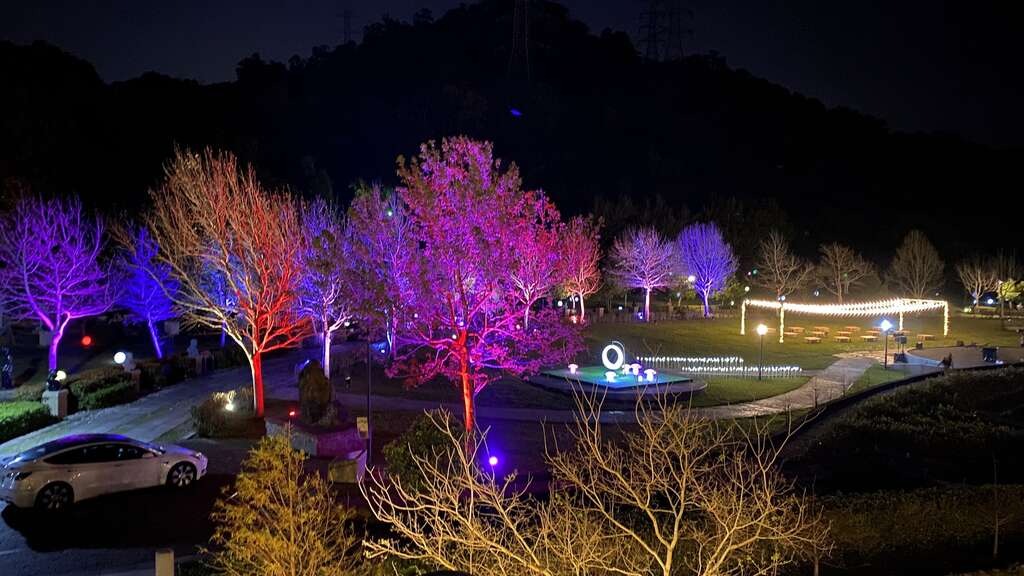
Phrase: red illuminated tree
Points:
(536, 265)
(52, 270)
(214, 222)
(464, 319)
(581, 259)
(642, 258)
(328, 279)
(708, 258)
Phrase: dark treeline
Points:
(595, 124)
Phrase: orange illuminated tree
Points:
(214, 221)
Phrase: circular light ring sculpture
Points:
(620, 355)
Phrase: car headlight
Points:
(18, 476)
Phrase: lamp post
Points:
(761, 331)
(885, 326)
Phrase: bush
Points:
(157, 374)
(228, 357)
(18, 418)
(422, 439)
(89, 381)
(314, 394)
(949, 429)
(212, 419)
(935, 524)
(120, 393)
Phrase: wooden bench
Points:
(788, 333)
(869, 337)
(821, 328)
(842, 338)
(812, 339)
(797, 329)
(923, 337)
(819, 333)
(851, 328)
(843, 333)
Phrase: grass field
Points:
(875, 376)
(721, 337)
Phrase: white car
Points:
(54, 475)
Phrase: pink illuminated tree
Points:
(708, 258)
(215, 223)
(148, 284)
(536, 265)
(642, 258)
(385, 260)
(581, 259)
(52, 266)
(465, 317)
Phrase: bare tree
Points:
(673, 494)
(581, 258)
(840, 269)
(216, 225)
(978, 277)
(778, 268)
(642, 258)
(917, 267)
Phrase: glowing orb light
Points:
(230, 406)
(573, 368)
(492, 460)
(291, 413)
(885, 325)
(61, 376)
(609, 376)
(119, 358)
(762, 329)
(691, 278)
(990, 301)
(620, 355)
(86, 340)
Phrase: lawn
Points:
(875, 376)
(721, 337)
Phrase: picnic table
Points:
(851, 328)
(869, 337)
(819, 332)
(842, 338)
(873, 332)
(797, 329)
(812, 339)
(923, 337)
(788, 333)
(843, 333)
(821, 328)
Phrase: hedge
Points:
(22, 417)
(90, 381)
(112, 395)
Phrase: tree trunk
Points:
(54, 344)
(327, 354)
(156, 340)
(647, 305)
(467, 394)
(583, 310)
(257, 383)
(223, 336)
(526, 318)
(707, 306)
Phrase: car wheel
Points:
(182, 475)
(55, 497)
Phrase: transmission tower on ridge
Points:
(519, 58)
(662, 30)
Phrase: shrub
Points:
(314, 394)
(89, 381)
(120, 393)
(212, 419)
(228, 357)
(22, 417)
(422, 438)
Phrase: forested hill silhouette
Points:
(589, 119)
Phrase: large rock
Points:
(330, 442)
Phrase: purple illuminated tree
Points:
(52, 267)
(642, 258)
(384, 257)
(581, 259)
(148, 286)
(705, 255)
(325, 292)
(465, 316)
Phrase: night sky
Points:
(918, 64)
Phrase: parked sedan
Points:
(54, 475)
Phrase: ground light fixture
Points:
(120, 358)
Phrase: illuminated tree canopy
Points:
(581, 258)
(465, 315)
(52, 266)
(642, 258)
(707, 257)
(148, 283)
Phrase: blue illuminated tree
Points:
(148, 286)
(706, 258)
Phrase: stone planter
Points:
(336, 442)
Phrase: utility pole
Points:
(661, 29)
